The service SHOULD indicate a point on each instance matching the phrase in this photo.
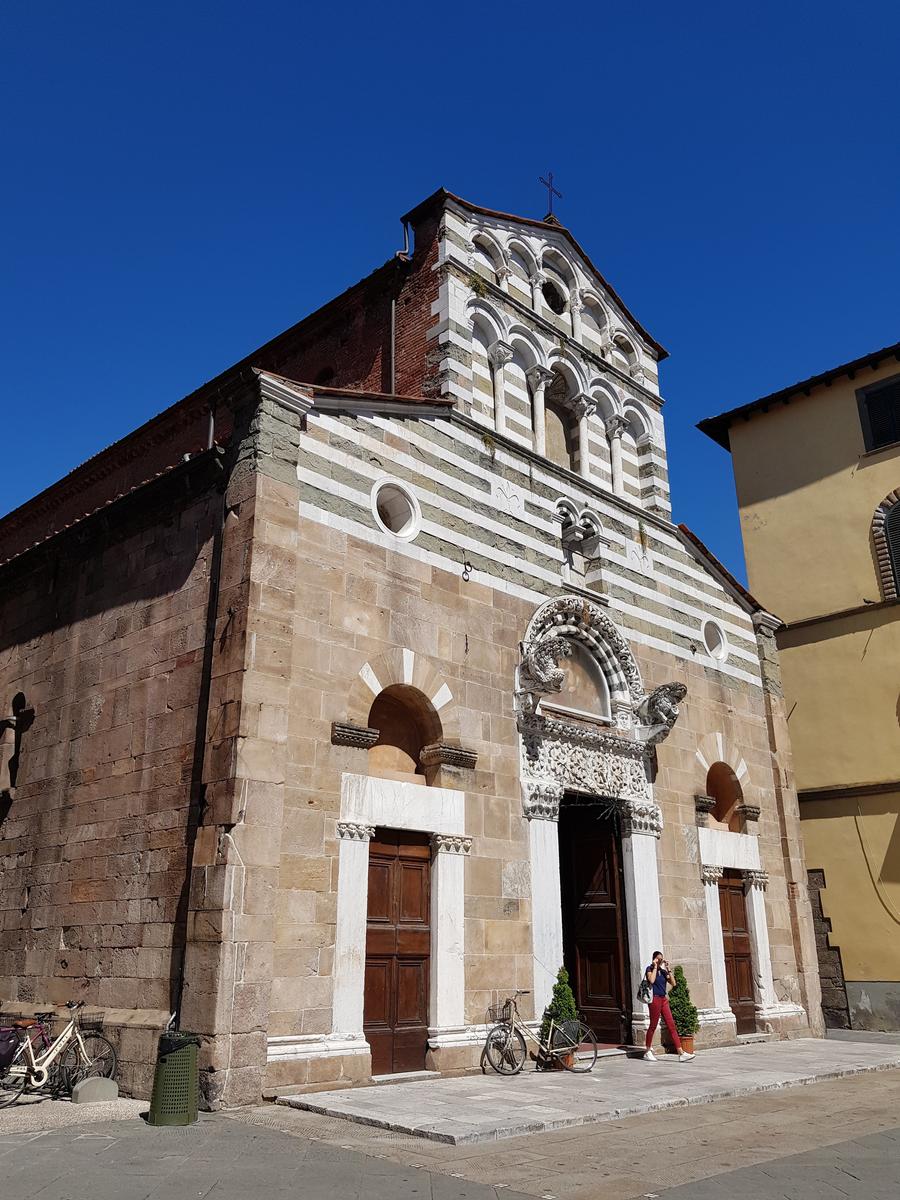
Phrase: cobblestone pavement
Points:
(609, 1161)
(477, 1108)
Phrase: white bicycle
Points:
(74, 1054)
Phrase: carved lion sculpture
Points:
(540, 672)
(658, 711)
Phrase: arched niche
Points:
(585, 690)
(725, 789)
(407, 722)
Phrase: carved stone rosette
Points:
(450, 843)
(438, 753)
(345, 733)
(353, 831)
(756, 879)
(710, 873)
(642, 817)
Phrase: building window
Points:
(556, 301)
(396, 509)
(892, 535)
(715, 641)
(886, 536)
(879, 413)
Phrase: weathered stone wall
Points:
(103, 633)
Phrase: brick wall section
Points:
(103, 634)
(835, 1007)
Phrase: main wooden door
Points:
(594, 933)
(738, 957)
(398, 948)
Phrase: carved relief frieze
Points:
(710, 873)
(354, 831)
(450, 843)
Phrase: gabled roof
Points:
(441, 196)
(717, 427)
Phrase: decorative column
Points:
(575, 307)
(585, 406)
(350, 935)
(448, 960)
(538, 378)
(537, 281)
(755, 884)
(499, 355)
(503, 273)
(542, 810)
(615, 427)
(711, 876)
(641, 827)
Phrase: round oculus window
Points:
(715, 640)
(396, 509)
(554, 297)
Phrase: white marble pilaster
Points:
(546, 903)
(641, 827)
(711, 877)
(350, 934)
(448, 959)
(755, 883)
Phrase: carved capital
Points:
(711, 874)
(584, 406)
(439, 753)
(756, 879)
(750, 812)
(450, 843)
(615, 425)
(503, 273)
(538, 279)
(538, 377)
(543, 801)
(642, 817)
(500, 354)
(345, 733)
(704, 804)
(352, 831)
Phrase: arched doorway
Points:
(398, 912)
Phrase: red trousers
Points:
(659, 1007)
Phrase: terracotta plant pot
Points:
(687, 1044)
(563, 1062)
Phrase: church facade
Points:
(377, 682)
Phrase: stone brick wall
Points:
(104, 634)
(835, 1006)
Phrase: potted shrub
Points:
(561, 1008)
(684, 1013)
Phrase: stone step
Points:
(750, 1039)
(405, 1077)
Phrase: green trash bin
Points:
(176, 1080)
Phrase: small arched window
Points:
(892, 537)
(585, 692)
(406, 723)
(723, 785)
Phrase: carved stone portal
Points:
(560, 754)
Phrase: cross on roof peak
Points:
(551, 192)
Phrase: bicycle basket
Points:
(500, 1012)
(565, 1033)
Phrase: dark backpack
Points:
(9, 1044)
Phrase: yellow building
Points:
(817, 471)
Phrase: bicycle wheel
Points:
(73, 1068)
(575, 1046)
(504, 1049)
(11, 1086)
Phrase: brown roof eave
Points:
(717, 427)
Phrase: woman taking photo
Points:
(661, 981)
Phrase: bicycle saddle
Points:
(24, 1023)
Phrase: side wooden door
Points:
(594, 934)
(738, 956)
(398, 950)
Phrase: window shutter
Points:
(883, 412)
(892, 534)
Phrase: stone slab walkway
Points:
(478, 1108)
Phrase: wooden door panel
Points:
(398, 946)
(738, 956)
(594, 938)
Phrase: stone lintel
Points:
(345, 733)
(440, 753)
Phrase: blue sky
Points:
(184, 181)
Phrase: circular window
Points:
(556, 301)
(715, 640)
(396, 509)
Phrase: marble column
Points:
(350, 933)
(537, 281)
(542, 810)
(615, 427)
(499, 355)
(575, 307)
(448, 960)
(585, 406)
(711, 877)
(755, 883)
(641, 827)
(538, 378)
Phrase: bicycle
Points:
(570, 1043)
(74, 1054)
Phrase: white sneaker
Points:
(685, 1057)
(649, 1056)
